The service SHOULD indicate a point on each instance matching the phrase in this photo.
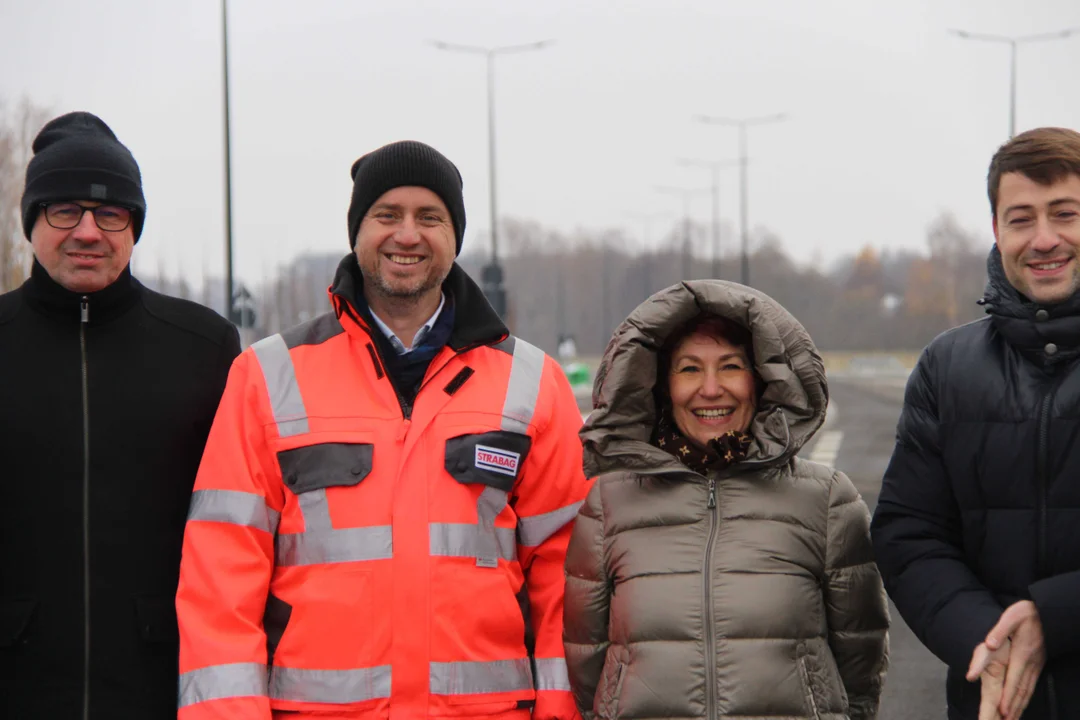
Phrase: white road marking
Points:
(827, 447)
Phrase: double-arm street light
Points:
(743, 124)
(1013, 42)
(492, 275)
(714, 166)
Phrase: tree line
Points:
(585, 283)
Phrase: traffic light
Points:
(491, 280)
(242, 313)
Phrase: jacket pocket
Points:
(14, 620)
(315, 467)
(608, 706)
(808, 689)
(493, 459)
(156, 616)
(275, 621)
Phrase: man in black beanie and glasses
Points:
(107, 393)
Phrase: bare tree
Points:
(18, 126)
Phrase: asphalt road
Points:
(865, 415)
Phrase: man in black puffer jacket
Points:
(977, 529)
(107, 393)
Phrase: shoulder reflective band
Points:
(280, 376)
(523, 388)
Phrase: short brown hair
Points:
(711, 325)
(1043, 155)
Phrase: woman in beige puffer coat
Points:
(737, 581)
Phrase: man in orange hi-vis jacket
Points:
(381, 516)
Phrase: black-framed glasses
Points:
(67, 215)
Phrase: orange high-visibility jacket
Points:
(348, 555)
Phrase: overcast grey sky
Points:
(892, 120)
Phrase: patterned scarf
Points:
(729, 448)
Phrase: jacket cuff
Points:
(1058, 602)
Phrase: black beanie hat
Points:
(405, 163)
(77, 157)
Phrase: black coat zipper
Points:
(84, 318)
(710, 625)
(1042, 480)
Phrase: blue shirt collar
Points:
(395, 341)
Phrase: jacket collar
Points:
(1030, 326)
(53, 299)
(475, 322)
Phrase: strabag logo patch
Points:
(496, 460)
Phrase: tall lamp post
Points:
(492, 275)
(229, 301)
(1013, 41)
(646, 220)
(685, 194)
(742, 124)
(714, 166)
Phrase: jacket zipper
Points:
(84, 318)
(710, 640)
(804, 673)
(1041, 462)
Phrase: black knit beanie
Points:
(77, 157)
(400, 164)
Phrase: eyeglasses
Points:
(67, 215)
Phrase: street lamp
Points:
(1013, 41)
(685, 194)
(742, 124)
(491, 275)
(229, 302)
(714, 166)
(646, 220)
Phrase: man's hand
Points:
(991, 666)
(1026, 656)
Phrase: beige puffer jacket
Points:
(768, 604)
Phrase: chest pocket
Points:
(493, 460)
(309, 471)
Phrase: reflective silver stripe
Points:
(218, 682)
(463, 540)
(285, 399)
(488, 506)
(330, 686)
(315, 509)
(552, 674)
(471, 678)
(526, 371)
(334, 546)
(232, 506)
(536, 529)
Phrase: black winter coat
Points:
(103, 418)
(980, 505)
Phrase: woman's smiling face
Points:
(711, 386)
